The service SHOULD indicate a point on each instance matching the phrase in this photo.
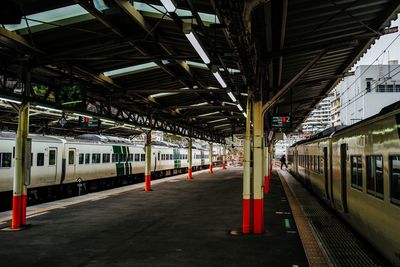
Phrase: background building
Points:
(320, 118)
(370, 89)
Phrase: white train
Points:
(356, 170)
(100, 161)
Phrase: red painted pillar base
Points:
(23, 211)
(246, 216)
(16, 212)
(147, 183)
(211, 168)
(190, 174)
(258, 216)
(266, 184)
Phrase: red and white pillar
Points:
(20, 169)
(224, 157)
(147, 166)
(258, 167)
(246, 202)
(190, 171)
(210, 153)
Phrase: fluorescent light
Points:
(219, 78)
(169, 5)
(244, 114)
(51, 109)
(197, 46)
(239, 107)
(224, 119)
(221, 125)
(131, 70)
(230, 94)
(199, 104)
(10, 100)
(208, 114)
(82, 115)
(107, 121)
(158, 95)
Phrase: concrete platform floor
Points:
(180, 223)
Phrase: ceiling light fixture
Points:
(194, 40)
(233, 98)
(218, 76)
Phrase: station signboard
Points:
(281, 121)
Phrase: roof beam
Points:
(293, 81)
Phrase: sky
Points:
(380, 46)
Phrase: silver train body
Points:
(356, 170)
(59, 161)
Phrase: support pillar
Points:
(224, 157)
(210, 153)
(19, 188)
(190, 174)
(258, 167)
(247, 173)
(147, 167)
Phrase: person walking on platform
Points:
(283, 161)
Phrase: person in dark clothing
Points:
(283, 161)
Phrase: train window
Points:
(159, 156)
(106, 158)
(52, 157)
(356, 172)
(321, 164)
(130, 157)
(81, 157)
(394, 162)
(87, 158)
(122, 157)
(375, 176)
(170, 156)
(71, 157)
(5, 160)
(31, 159)
(142, 157)
(137, 157)
(316, 164)
(40, 159)
(96, 158)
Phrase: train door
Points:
(343, 171)
(71, 164)
(52, 164)
(326, 176)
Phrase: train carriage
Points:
(98, 161)
(358, 176)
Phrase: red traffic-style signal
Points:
(86, 120)
(284, 119)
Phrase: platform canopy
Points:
(186, 71)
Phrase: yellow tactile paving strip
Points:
(314, 253)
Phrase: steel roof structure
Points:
(132, 61)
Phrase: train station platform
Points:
(181, 223)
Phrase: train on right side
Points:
(356, 171)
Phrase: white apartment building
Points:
(320, 118)
(364, 94)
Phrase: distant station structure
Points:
(198, 69)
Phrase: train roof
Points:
(36, 137)
(341, 128)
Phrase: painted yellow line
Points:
(315, 255)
